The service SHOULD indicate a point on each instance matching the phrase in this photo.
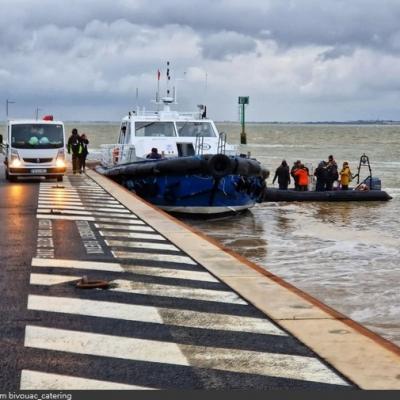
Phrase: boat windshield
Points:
(154, 129)
(37, 136)
(192, 129)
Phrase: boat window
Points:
(122, 133)
(37, 136)
(192, 129)
(154, 129)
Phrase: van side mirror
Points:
(1, 139)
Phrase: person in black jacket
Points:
(321, 174)
(84, 153)
(283, 176)
(75, 147)
(332, 173)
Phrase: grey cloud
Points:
(336, 52)
(224, 44)
(289, 23)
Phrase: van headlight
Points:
(60, 159)
(60, 163)
(15, 161)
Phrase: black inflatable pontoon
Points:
(332, 195)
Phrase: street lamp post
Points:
(7, 103)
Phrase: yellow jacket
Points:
(345, 176)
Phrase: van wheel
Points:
(59, 178)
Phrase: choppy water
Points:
(345, 254)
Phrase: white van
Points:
(35, 148)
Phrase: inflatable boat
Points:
(272, 194)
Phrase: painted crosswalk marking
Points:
(140, 313)
(66, 206)
(140, 245)
(81, 212)
(111, 204)
(36, 380)
(89, 218)
(242, 361)
(121, 228)
(154, 289)
(152, 257)
(202, 276)
(133, 235)
(51, 279)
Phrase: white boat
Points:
(194, 169)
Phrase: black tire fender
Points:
(220, 165)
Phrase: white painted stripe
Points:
(121, 221)
(140, 245)
(35, 380)
(87, 213)
(153, 257)
(74, 196)
(51, 279)
(115, 209)
(71, 190)
(139, 313)
(116, 267)
(103, 345)
(105, 227)
(88, 218)
(65, 217)
(68, 204)
(234, 360)
(132, 235)
(154, 289)
(80, 202)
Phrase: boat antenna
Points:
(168, 79)
(158, 86)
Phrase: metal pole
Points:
(243, 138)
(37, 112)
(7, 103)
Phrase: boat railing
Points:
(156, 114)
(221, 149)
(199, 145)
(113, 154)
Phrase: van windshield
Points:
(37, 136)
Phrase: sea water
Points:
(344, 254)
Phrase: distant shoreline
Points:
(356, 122)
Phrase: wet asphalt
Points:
(18, 245)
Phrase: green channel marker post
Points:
(243, 101)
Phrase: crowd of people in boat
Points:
(326, 174)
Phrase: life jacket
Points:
(75, 145)
(302, 177)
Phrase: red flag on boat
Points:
(158, 74)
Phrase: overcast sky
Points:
(298, 60)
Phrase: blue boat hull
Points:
(196, 194)
(195, 185)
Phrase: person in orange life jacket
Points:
(302, 178)
(85, 152)
(345, 176)
(74, 146)
(154, 155)
(283, 176)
